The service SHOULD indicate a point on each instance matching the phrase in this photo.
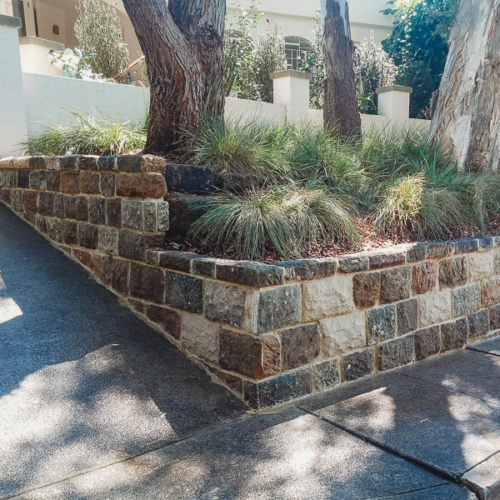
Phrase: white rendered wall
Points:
(35, 59)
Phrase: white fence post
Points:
(291, 89)
(394, 102)
(13, 123)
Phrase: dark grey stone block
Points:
(225, 302)
(184, 292)
(81, 208)
(453, 272)
(495, 318)
(278, 308)
(147, 282)
(467, 245)
(23, 179)
(120, 275)
(87, 162)
(37, 162)
(396, 353)
(88, 236)
(106, 163)
(108, 184)
(439, 250)
(308, 269)
(354, 264)
(417, 253)
(381, 324)
(37, 180)
(114, 212)
(69, 162)
(53, 180)
(427, 343)
(129, 163)
(300, 346)
(46, 203)
(204, 266)
(479, 323)
(97, 210)
(326, 375)
(395, 285)
(358, 364)
(250, 273)
(69, 232)
(407, 312)
(386, 259)
(454, 335)
(190, 178)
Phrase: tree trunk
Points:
(183, 45)
(341, 102)
(467, 117)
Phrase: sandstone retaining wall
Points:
(269, 333)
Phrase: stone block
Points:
(326, 375)
(175, 260)
(466, 300)
(163, 216)
(97, 210)
(381, 324)
(190, 178)
(485, 243)
(114, 212)
(150, 222)
(184, 292)
(184, 210)
(200, 337)
(276, 308)
(454, 335)
(386, 259)
(108, 239)
(417, 253)
(5, 195)
(30, 202)
(354, 264)
(106, 163)
(101, 266)
(53, 228)
(69, 232)
(131, 245)
(490, 292)
(147, 282)
(439, 250)
(69, 207)
(53, 180)
(424, 277)
(16, 199)
(37, 162)
(82, 256)
(141, 186)
(396, 353)
(88, 235)
(10, 178)
(40, 223)
(225, 303)
(481, 265)
(59, 200)
(395, 285)
(496, 262)
(407, 313)
(46, 203)
(366, 289)
(168, 319)
(300, 346)
(308, 269)
(427, 343)
(453, 272)
(133, 214)
(204, 266)
(434, 308)
(88, 162)
(253, 357)
(467, 245)
(495, 318)
(23, 179)
(251, 274)
(89, 182)
(52, 163)
(479, 323)
(81, 208)
(37, 180)
(358, 364)
(342, 334)
(120, 275)
(107, 185)
(70, 182)
(328, 297)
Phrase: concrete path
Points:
(96, 405)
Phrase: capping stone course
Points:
(270, 333)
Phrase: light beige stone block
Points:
(343, 334)
(328, 297)
(481, 266)
(200, 336)
(435, 308)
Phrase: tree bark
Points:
(467, 117)
(183, 45)
(341, 102)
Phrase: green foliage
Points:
(314, 64)
(90, 135)
(75, 64)
(419, 46)
(99, 32)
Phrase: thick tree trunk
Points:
(183, 45)
(341, 102)
(467, 117)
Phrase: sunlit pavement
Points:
(96, 405)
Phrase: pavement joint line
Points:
(481, 351)
(406, 492)
(479, 463)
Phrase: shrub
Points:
(99, 32)
(91, 135)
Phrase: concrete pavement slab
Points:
(447, 492)
(485, 478)
(490, 346)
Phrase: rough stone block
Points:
(466, 300)
(30, 202)
(308, 269)
(200, 337)
(5, 196)
(131, 245)
(190, 178)
(424, 277)
(225, 303)
(69, 232)
(495, 318)
(358, 364)
(490, 292)
(479, 323)
(328, 297)
(184, 292)
(184, 210)
(427, 343)
(16, 199)
(485, 243)
(396, 353)
(300, 346)
(417, 253)
(481, 265)
(52, 178)
(496, 262)
(89, 182)
(395, 285)
(23, 179)
(435, 308)
(276, 308)
(88, 236)
(253, 357)
(168, 319)
(107, 185)
(106, 163)
(84, 257)
(175, 260)
(53, 228)
(69, 207)
(453, 272)
(37, 162)
(46, 203)
(88, 162)
(81, 208)
(250, 273)
(326, 375)
(70, 182)
(467, 245)
(120, 275)
(141, 186)
(52, 163)
(147, 283)
(97, 210)
(101, 267)
(381, 324)
(108, 239)
(133, 214)
(342, 334)
(10, 178)
(150, 217)
(407, 312)
(37, 180)
(354, 264)
(204, 266)
(59, 200)
(114, 212)
(40, 223)
(454, 335)
(386, 259)
(366, 289)
(439, 250)
(163, 216)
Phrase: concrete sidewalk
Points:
(96, 405)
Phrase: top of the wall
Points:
(41, 42)
(291, 73)
(11, 22)
(394, 88)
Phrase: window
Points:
(296, 50)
